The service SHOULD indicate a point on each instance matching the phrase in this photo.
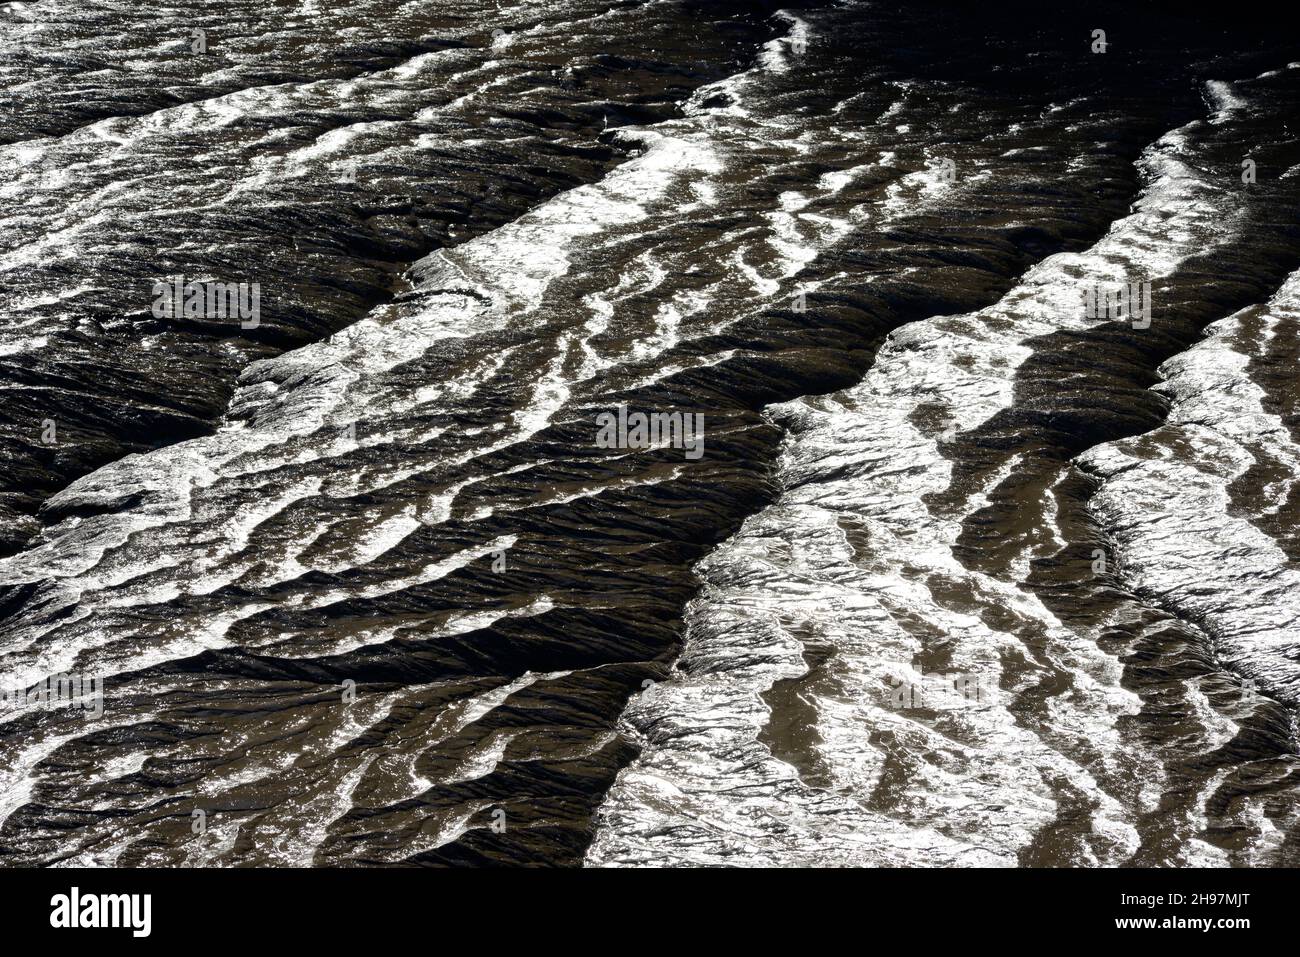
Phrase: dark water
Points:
(363, 586)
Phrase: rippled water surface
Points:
(363, 585)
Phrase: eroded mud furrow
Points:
(323, 193)
(1213, 556)
(930, 523)
(1066, 401)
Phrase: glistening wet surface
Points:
(954, 573)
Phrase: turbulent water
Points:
(360, 578)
